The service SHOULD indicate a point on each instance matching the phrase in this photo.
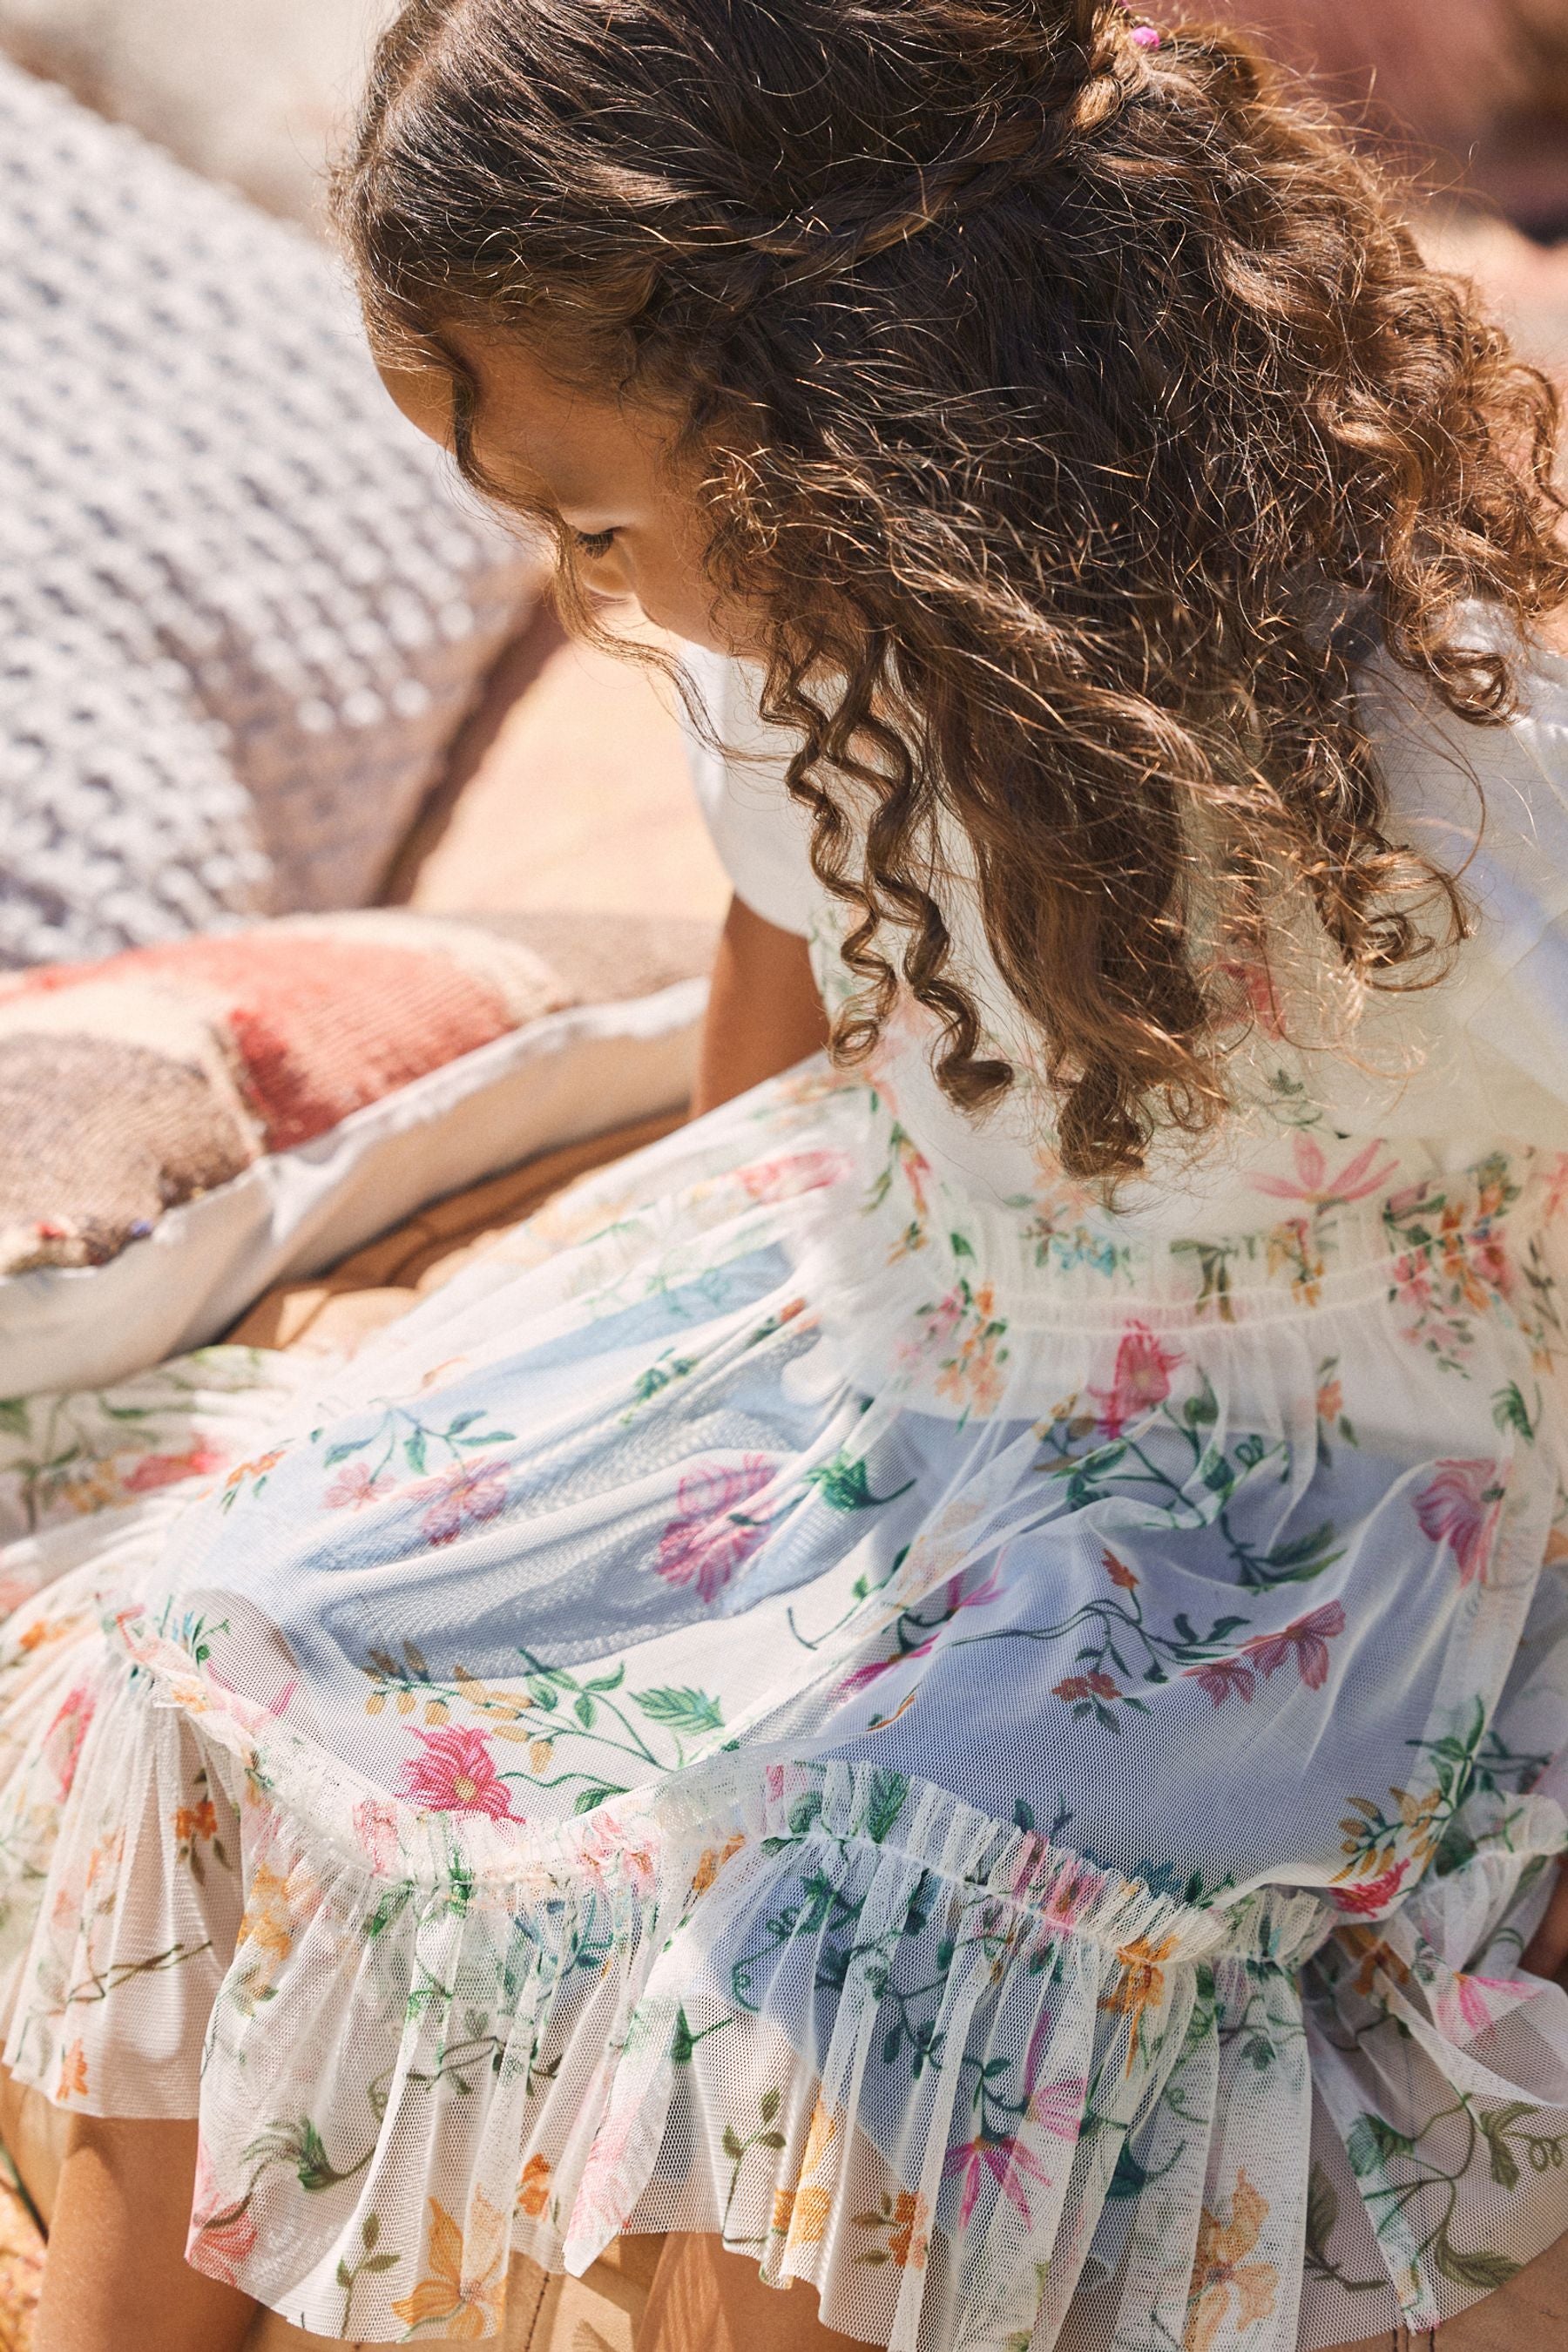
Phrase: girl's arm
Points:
(764, 1013)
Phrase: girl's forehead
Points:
(531, 426)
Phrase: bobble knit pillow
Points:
(181, 1126)
(242, 607)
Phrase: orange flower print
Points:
(196, 1825)
(72, 2084)
(533, 2188)
(906, 2218)
(267, 1922)
(1226, 2286)
(1140, 1987)
(973, 1375)
(256, 1469)
(711, 1862)
(801, 2214)
(911, 2232)
(465, 2287)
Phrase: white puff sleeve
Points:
(763, 837)
(1493, 803)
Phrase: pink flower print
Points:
(1463, 2009)
(1305, 1639)
(1218, 1677)
(465, 1495)
(375, 1826)
(1007, 2161)
(864, 1676)
(1312, 1182)
(1256, 984)
(602, 2201)
(609, 1846)
(1141, 1381)
(710, 1537)
(794, 1172)
(222, 2234)
(354, 1486)
(1460, 1508)
(1370, 1894)
(1058, 2107)
(156, 1470)
(1075, 1893)
(455, 1773)
(953, 1598)
(63, 1740)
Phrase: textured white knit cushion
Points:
(242, 606)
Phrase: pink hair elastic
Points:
(1144, 37)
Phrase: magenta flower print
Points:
(1007, 2161)
(710, 1536)
(455, 1773)
(951, 1599)
(1141, 1381)
(1305, 1639)
(356, 1486)
(1219, 1678)
(1459, 1507)
(1314, 1183)
(463, 1497)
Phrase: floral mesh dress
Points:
(833, 1691)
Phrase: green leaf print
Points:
(586, 1800)
(682, 1711)
(1371, 2142)
(14, 1416)
(1510, 1412)
(890, 1793)
(1308, 1557)
(370, 2263)
(414, 1448)
(845, 1486)
(1322, 2212)
(1484, 2271)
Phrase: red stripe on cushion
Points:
(320, 1025)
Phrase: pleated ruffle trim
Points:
(946, 2072)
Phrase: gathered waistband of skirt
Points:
(1472, 1235)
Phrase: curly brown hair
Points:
(1080, 410)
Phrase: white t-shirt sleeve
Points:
(1507, 1001)
(763, 836)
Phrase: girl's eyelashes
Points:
(593, 543)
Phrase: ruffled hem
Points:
(945, 2071)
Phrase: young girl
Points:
(954, 1682)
